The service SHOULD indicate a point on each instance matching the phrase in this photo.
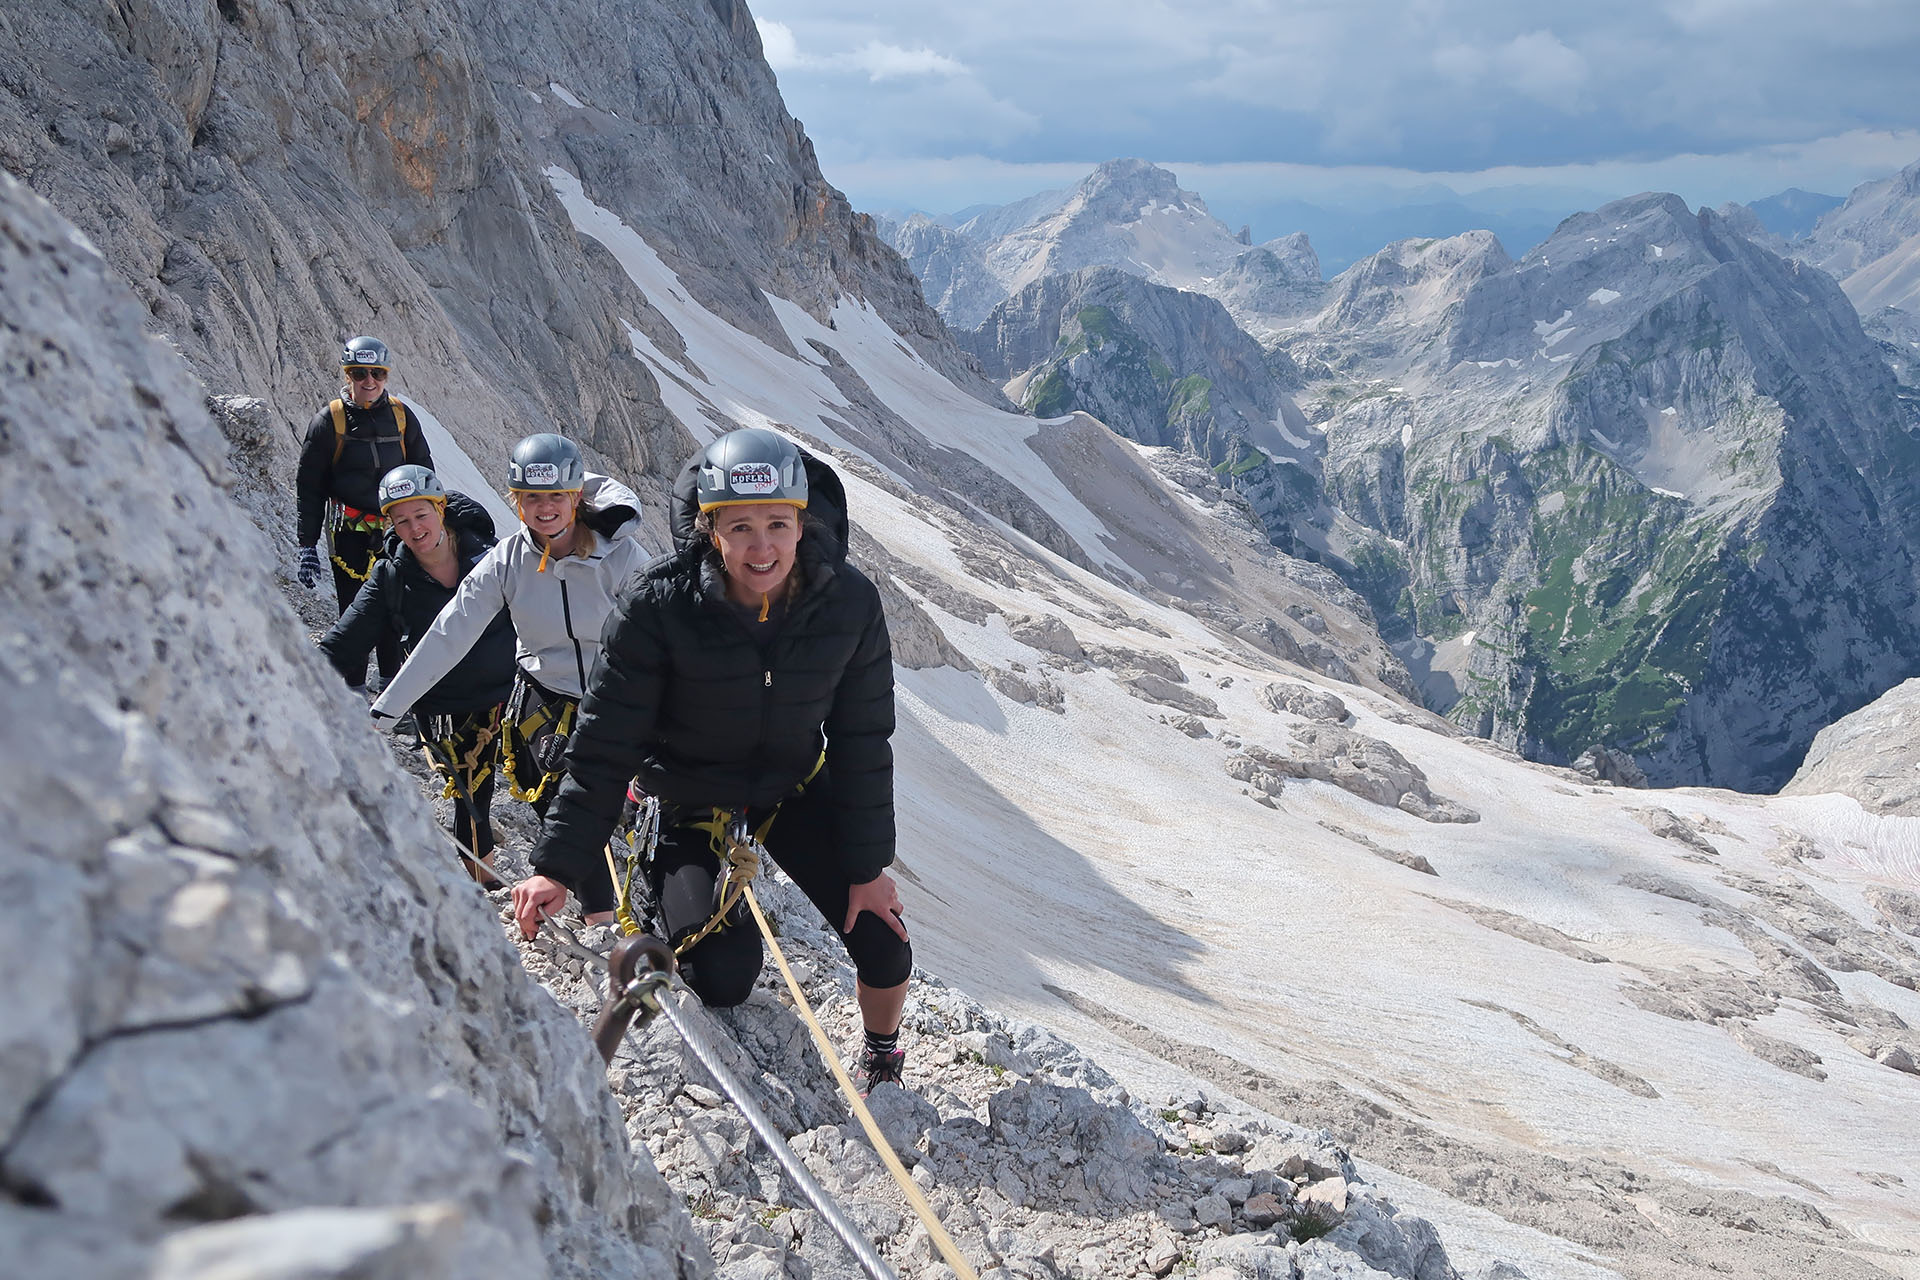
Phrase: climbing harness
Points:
(344, 519)
(636, 995)
(438, 737)
(641, 818)
(534, 716)
(437, 742)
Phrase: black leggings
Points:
(721, 969)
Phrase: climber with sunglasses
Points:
(353, 441)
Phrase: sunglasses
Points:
(359, 372)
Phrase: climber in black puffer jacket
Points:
(354, 441)
(750, 671)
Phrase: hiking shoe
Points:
(881, 1068)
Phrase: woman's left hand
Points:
(879, 896)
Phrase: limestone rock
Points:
(1604, 764)
(252, 982)
(1118, 657)
(1308, 703)
(1047, 634)
(1369, 768)
(1872, 755)
(1158, 689)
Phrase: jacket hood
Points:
(608, 507)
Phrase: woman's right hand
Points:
(534, 899)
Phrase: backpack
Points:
(338, 408)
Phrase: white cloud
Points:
(1405, 85)
(882, 61)
(776, 40)
(1540, 66)
(879, 59)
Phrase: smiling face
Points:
(366, 383)
(421, 524)
(548, 513)
(757, 543)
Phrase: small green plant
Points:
(1312, 1220)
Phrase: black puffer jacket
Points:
(401, 599)
(374, 446)
(685, 699)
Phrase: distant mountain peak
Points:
(1123, 191)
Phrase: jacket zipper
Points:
(566, 615)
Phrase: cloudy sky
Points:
(1254, 103)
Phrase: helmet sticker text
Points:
(753, 478)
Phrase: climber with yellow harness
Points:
(747, 685)
(555, 578)
(353, 441)
(437, 537)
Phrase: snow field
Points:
(1107, 854)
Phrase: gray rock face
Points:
(323, 185)
(1872, 243)
(1604, 764)
(1163, 367)
(1156, 364)
(1367, 767)
(247, 979)
(1872, 755)
(951, 269)
(1607, 471)
(1128, 215)
(1307, 703)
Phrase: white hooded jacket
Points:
(557, 611)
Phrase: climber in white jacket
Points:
(556, 576)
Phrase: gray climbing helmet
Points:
(363, 350)
(402, 484)
(751, 465)
(546, 463)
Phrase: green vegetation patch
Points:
(1619, 628)
(1192, 398)
(1050, 397)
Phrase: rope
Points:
(743, 864)
(770, 1135)
(881, 1146)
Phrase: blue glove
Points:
(309, 570)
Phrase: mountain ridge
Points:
(1155, 787)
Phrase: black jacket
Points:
(373, 447)
(686, 699)
(401, 599)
